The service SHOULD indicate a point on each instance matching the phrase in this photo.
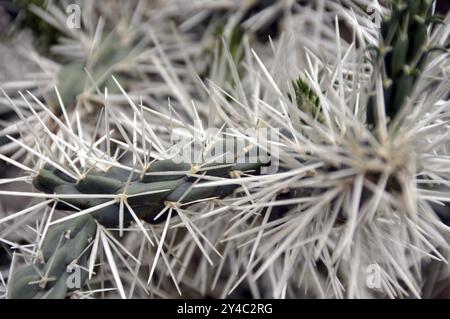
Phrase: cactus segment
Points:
(65, 244)
(145, 195)
(405, 31)
(69, 241)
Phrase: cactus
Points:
(401, 56)
(155, 189)
(341, 202)
(66, 245)
(147, 193)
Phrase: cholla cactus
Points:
(351, 189)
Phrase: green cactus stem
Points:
(401, 54)
(147, 194)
